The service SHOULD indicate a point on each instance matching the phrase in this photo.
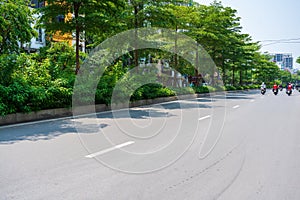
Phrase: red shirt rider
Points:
(275, 87)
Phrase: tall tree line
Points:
(215, 27)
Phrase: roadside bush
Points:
(3, 109)
(254, 86)
(230, 88)
(239, 87)
(3, 100)
(7, 67)
(246, 87)
(182, 90)
(220, 88)
(165, 92)
(151, 91)
(107, 83)
(211, 89)
(201, 89)
(58, 95)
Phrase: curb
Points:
(68, 112)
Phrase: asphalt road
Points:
(242, 146)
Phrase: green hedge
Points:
(31, 82)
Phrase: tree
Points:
(298, 60)
(144, 13)
(217, 29)
(15, 25)
(85, 16)
(265, 70)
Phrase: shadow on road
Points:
(41, 131)
(49, 130)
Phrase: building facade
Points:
(284, 61)
(40, 40)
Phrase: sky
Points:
(269, 20)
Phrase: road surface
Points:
(242, 146)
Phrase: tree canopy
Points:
(15, 24)
(79, 17)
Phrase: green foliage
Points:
(59, 94)
(230, 87)
(246, 87)
(183, 90)
(7, 67)
(15, 25)
(239, 87)
(30, 72)
(88, 16)
(151, 91)
(298, 60)
(285, 76)
(45, 79)
(61, 60)
(30, 82)
(201, 89)
(107, 83)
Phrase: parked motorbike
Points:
(263, 91)
(275, 91)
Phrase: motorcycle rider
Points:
(263, 88)
(289, 88)
(275, 88)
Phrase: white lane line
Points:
(109, 149)
(206, 117)
(252, 100)
(237, 106)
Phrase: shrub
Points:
(220, 88)
(230, 87)
(239, 87)
(182, 90)
(254, 86)
(201, 89)
(246, 87)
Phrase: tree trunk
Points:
(175, 58)
(241, 77)
(175, 49)
(213, 82)
(223, 71)
(77, 35)
(197, 61)
(136, 26)
(233, 77)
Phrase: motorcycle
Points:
(275, 91)
(263, 91)
(289, 91)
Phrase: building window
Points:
(60, 18)
(36, 4)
